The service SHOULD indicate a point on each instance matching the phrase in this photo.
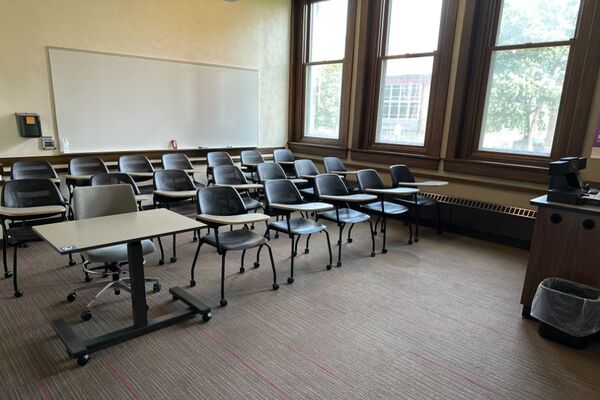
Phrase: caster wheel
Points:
(18, 293)
(410, 242)
(276, 286)
(290, 280)
(86, 315)
(7, 274)
(161, 262)
(223, 302)
(350, 240)
(373, 254)
(306, 251)
(71, 263)
(252, 227)
(276, 236)
(173, 259)
(192, 283)
(242, 270)
(156, 287)
(71, 297)
(256, 265)
(416, 240)
(339, 264)
(328, 267)
(194, 239)
(83, 360)
(117, 292)
(88, 279)
(206, 317)
(383, 251)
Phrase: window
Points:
(404, 65)
(523, 86)
(322, 54)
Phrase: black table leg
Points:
(138, 286)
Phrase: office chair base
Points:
(18, 293)
(290, 280)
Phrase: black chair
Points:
(216, 159)
(81, 171)
(283, 198)
(306, 169)
(173, 187)
(370, 179)
(36, 169)
(286, 159)
(139, 167)
(335, 165)
(219, 206)
(182, 162)
(331, 188)
(401, 173)
(232, 175)
(270, 171)
(25, 203)
(250, 159)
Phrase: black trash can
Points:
(569, 312)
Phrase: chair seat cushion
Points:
(422, 201)
(239, 239)
(347, 216)
(298, 226)
(117, 253)
(251, 204)
(390, 208)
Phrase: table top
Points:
(243, 186)
(142, 197)
(79, 177)
(427, 183)
(398, 190)
(182, 194)
(148, 175)
(298, 180)
(192, 171)
(542, 201)
(239, 219)
(12, 212)
(343, 172)
(350, 198)
(314, 206)
(285, 162)
(92, 233)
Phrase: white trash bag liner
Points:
(567, 306)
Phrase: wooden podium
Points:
(566, 244)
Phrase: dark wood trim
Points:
(393, 157)
(502, 170)
(321, 150)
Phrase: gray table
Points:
(87, 234)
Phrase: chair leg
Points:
(162, 251)
(257, 262)
(439, 220)
(195, 238)
(329, 248)
(18, 292)
(7, 273)
(349, 233)
(339, 262)
(410, 233)
(174, 258)
(293, 248)
(242, 270)
(223, 301)
(306, 249)
(416, 223)
(384, 228)
(296, 246)
(192, 280)
(377, 224)
(275, 285)
(71, 261)
(372, 238)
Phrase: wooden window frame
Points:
(477, 46)
(371, 53)
(299, 63)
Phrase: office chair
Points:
(335, 165)
(232, 175)
(81, 171)
(101, 201)
(173, 186)
(219, 206)
(283, 198)
(285, 158)
(306, 169)
(330, 188)
(25, 203)
(216, 159)
(137, 166)
(401, 173)
(182, 162)
(35, 169)
(370, 179)
(250, 159)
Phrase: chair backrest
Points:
(23, 193)
(251, 157)
(100, 201)
(333, 164)
(270, 171)
(330, 184)
(369, 179)
(135, 163)
(220, 200)
(283, 155)
(218, 158)
(87, 166)
(305, 167)
(229, 175)
(115, 178)
(401, 173)
(173, 180)
(176, 161)
(37, 169)
(282, 191)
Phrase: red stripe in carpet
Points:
(44, 390)
(134, 394)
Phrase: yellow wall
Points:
(248, 33)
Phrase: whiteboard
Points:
(110, 102)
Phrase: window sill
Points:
(516, 172)
(392, 157)
(319, 149)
